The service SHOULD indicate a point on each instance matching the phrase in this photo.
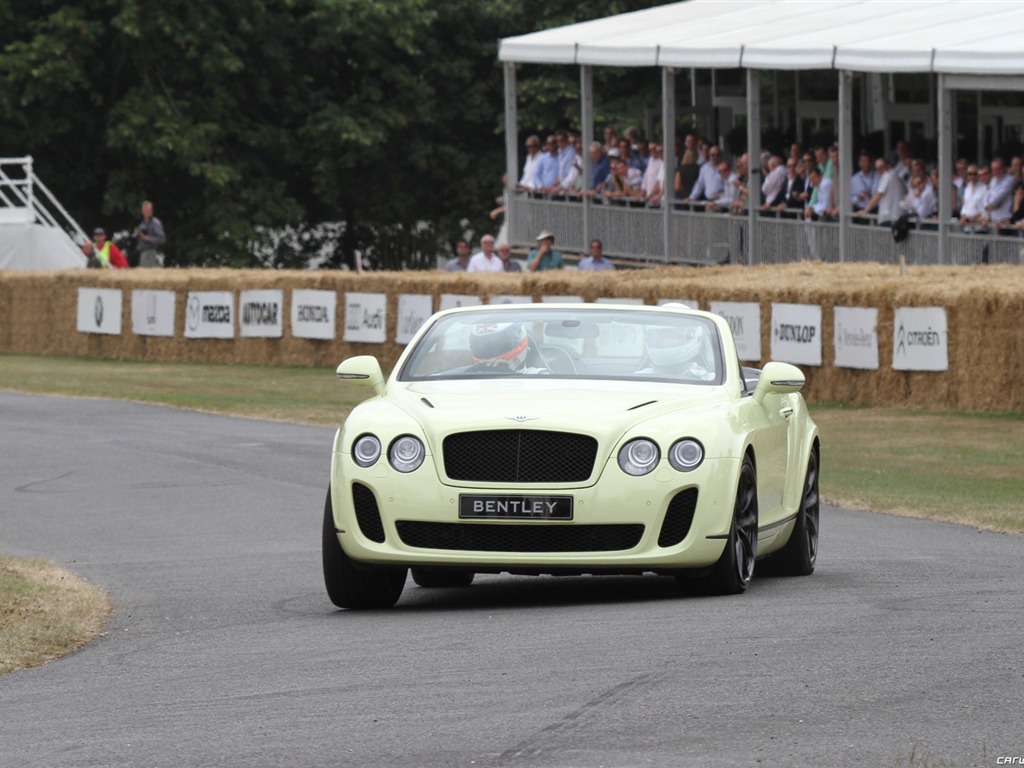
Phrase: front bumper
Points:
(386, 517)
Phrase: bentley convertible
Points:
(570, 439)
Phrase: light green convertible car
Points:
(570, 439)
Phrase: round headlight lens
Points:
(686, 454)
(366, 450)
(639, 457)
(406, 453)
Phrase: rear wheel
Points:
(799, 555)
(426, 577)
(733, 571)
(352, 587)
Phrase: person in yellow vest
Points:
(109, 255)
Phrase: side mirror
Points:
(779, 379)
(363, 370)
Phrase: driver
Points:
(503, 348)
(676, 352)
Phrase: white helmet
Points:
(671, 346)
(499, 343)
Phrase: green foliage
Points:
(242, 117)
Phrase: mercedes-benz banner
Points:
(99, 310)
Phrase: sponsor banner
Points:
(796, 333)
(561, 299)
(508, 298)
(366, 317)
(453, 300)
(99, 310)
(210, 315)
(313, 314)
(856, 337)
(920, 339)
(744, 318)
(688, 303)
(153, 313)
(413, 311)
(261, 314)
(615, 300)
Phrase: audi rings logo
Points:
(193, 312)
(97, 311)
(521, 418)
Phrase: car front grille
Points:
(678, 518)
(367, 513)
(480, 537)
(519, 456)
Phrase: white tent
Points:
(34, 227)
(981, 37)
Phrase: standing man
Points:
(527, 183)
(150, 238)
(544, 256)
(595, 262)
(485, 259)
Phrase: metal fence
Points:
(703, 238)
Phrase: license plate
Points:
(515, 507)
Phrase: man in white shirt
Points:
(864, 183)
(709, 182)
(486, 260)
(567, 168)
(526, 183)
(974, 200)
(730, 190)
(653, 181)
(888, 195)
(774, 187)
(925, 204)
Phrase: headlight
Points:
(686, 454)
(406, 453)
(366, 450)
(638, 457)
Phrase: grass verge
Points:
(45, 612)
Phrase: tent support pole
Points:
(668, 141)
(753, 163)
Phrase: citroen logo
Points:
(522, 418)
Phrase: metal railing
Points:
(702, 238)
(25, 198)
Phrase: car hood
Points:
(599, 408)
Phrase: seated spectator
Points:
(544, 257)
(973, 207)
(485, 260)
(460, 261)
(623, 184)
(595, 261)
(507, 262)
(729, 193)
(922, 203)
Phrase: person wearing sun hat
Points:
(544, 256)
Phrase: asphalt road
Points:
(225, 651)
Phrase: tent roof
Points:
(981, 37)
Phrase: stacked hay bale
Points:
(984, 306)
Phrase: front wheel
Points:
(799, 555)
(352, 587)
(733, 571)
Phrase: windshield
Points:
(568, 343)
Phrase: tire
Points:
(436, 579)
(352, 587)
(733, 571)
(799, 555)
